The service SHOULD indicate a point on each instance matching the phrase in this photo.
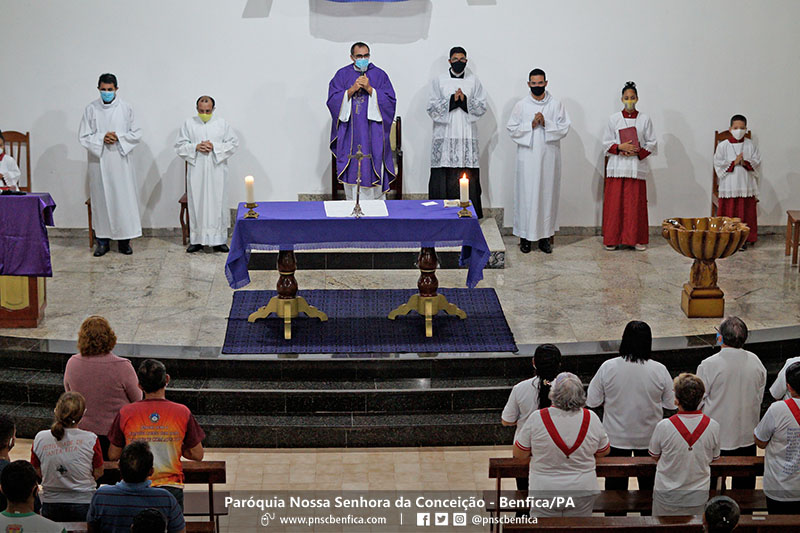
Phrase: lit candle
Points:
(464, 188)
(248, 186)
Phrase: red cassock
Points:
(744, 208)
(625, 212)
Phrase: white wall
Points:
(268, 62)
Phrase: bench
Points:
(191, 527)
(194, 472)
(628, 501)
(689, 524)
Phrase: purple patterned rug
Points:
(358, 323)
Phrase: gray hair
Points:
(733, 331)
(567, 392)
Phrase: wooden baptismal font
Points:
(705, 240)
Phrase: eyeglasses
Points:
(361, 56)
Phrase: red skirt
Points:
(744, 209)
(625, 212)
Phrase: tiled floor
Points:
(162, 295)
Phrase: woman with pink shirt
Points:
(106, 381)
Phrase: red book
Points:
(629, 135)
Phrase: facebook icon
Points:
(423, 519)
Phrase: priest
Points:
(109, 133)
(205, 142)
(456, 102)
(361, 101)
(538, 123)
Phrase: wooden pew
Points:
(688, 524)
(191, 527)
(628, 501)
(194, 472)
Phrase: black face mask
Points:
(458, 67)
(537, 91)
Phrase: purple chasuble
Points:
(372, 136)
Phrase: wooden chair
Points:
(183, 216)
(719, 136)
(16, 143)
(396, 144)
(792, 234)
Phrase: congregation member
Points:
(556, 467)
(721, 515)
(537, 124)
(149, 521)
(532, 394)
(9, 171)
(736, 163)
(456, 102)
(106, 381)
(115, 507)
(205, 142)
(68, 460)
(778, 389)
(629, 141)
(109, 133)
(633, 390)
(734, 382)
(684, 446)
(362, 103)
(169, 427)
(778, 434)
(8, 434)
(19, 485)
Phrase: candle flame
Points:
(249, 179)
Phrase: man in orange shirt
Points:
(169, 428)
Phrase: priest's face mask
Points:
(204, 109)
(458, 62)
(537, 84)
(108, 91)
(360, 57)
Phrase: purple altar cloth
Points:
(304, 226)
(24, 247)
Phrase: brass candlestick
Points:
(464, 213)
(250, 213)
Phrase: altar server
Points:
(362, 102)
(457, 100)
(736, 162)
(9, 171)
(205, 142)
(537, 124)
(109, 133)
(629, 140)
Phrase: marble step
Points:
(252, 397)
(381, 258)
(320, 431)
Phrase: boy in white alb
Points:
(735, 380)
(778, 389)
(779, 434)
(736, 162)
(9, 171)
(684, 446)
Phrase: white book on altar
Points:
(344, 208)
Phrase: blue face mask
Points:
(362, 64)
(108, 96)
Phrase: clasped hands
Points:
(627, 149)
(739, 160)
(110, 138)
(538, 120)
(205, 147)
(362, 82)
(459, 95)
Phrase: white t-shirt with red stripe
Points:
(67, 465)
(551, 469)
(781, 427)
(683, 473)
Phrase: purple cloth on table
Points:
(24, 247)
(372, 136)
(304, 225)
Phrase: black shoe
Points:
(545, 246)
(194, 248)
(101, 249)
(525, 246)
(125, 247)
(222, 248)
